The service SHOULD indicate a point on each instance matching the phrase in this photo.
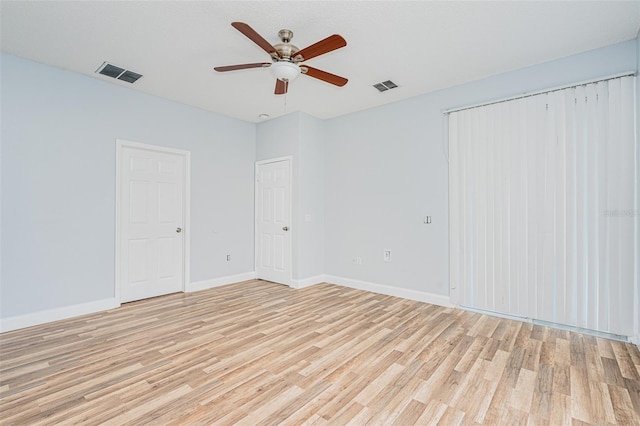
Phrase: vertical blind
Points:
(543, 206)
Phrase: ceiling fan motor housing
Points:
(286, 50)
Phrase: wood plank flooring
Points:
(258, 353)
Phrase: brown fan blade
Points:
(281, 87)
(323, 46)
(243, 66)
(252, 35)
(323, 75)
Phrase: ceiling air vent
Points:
(119, 73)
(385, 85)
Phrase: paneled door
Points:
(152, 210)
(273, 221)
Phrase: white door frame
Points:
(186, 270)
(288, 158)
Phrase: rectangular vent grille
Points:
(385, 85)
(119, 73)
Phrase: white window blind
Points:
(543, 211)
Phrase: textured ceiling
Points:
(421, 45)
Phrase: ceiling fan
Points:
(287, 59)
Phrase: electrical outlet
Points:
(357, 260)
(386, 255)
(228, 258)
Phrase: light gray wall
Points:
(367, 179)
(312, 180)
(302, 140)
(58, 183)
(386, 168)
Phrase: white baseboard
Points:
(217, 282)
(306, 282)
(50, 315)
(420, 296)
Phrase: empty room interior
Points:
(319, 213)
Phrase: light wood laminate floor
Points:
(258, 353)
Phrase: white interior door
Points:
(273, 216)
(152, 211)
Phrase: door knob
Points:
(178, 230)
(285, 228)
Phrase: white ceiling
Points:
(421, 45)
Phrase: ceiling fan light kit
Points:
(285, 71)
(287, 58)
